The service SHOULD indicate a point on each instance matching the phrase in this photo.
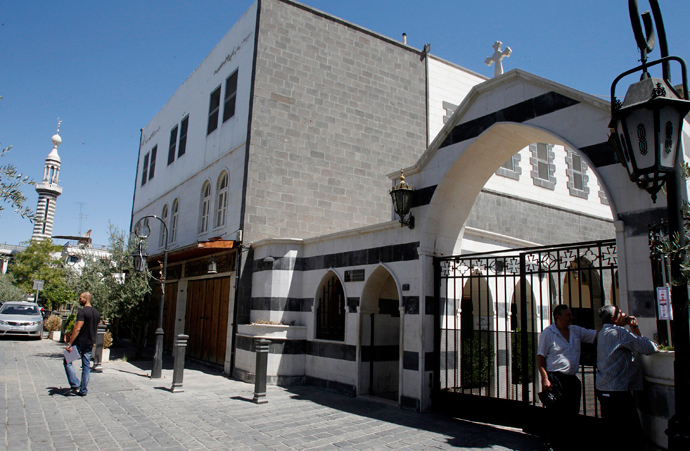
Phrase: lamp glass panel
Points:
(624, 145)
(640, 124)
(670, 122)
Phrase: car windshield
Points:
(19, 310)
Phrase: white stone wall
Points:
(206, 155)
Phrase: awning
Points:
(196, 250)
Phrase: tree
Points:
(41, 261)
(119, 292)
(9, 290)
(10, 188)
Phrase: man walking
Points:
(83, 337)
(617, 375)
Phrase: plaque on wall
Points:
(354, 275)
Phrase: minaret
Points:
(48, 191)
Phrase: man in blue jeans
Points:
(83, 337)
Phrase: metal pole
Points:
(98, 354)
(261, 347)
(178, 371)
(679, 425)
(157, 368)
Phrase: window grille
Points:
(222, 204)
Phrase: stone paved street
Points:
(126, 410)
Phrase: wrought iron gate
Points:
(491, 309)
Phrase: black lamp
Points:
(139, 258)
(647, 128)
(402, 201)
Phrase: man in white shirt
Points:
(617, 373)
(558, 358)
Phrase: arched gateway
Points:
(496, 120)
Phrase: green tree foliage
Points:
(119, 292)
(41, 261)
(9, 290)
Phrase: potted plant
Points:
(71, 321)
(53, 325)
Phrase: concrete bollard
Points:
(261, 346)
(98, 348)
(178, 368)
(63, 327)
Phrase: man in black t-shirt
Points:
(83, 337)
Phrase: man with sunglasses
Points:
(618, 375)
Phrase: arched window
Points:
(173, 223)
(164, 217)
(330, 311)
(222, 204)
(205, 207)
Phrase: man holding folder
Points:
(83, 337)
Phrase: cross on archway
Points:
(497, 57)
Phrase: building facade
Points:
(270, 162)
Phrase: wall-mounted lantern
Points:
(402, 201)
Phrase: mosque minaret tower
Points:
(48, 191)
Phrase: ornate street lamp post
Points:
(143, 230)
(647, 132)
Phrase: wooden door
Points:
(207, 319)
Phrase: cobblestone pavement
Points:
(126, 410)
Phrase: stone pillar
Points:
(98, 348)
(261, 347)
(178, 368)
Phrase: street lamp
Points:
(143, 230)
(401, 196)
(647, 136)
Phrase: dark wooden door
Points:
(207, 319)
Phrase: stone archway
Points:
(380, 337)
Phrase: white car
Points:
(21, 318)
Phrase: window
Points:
(183, 137)
(144, 171)
(330, 313)
(511, 168)
(213, 108)
(205, 206)
(164, 217)
(230, 96)
(543, 168)
(222, 204)
(173, 144)
(152, 166)
(577, 175)
(173, 223)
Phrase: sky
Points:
(106, 68)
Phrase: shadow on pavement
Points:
(460, 433)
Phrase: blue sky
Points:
(106, 68)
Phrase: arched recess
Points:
(472, 167)
(330, 308)
(477, 334)
(380, 337)
(582, 291)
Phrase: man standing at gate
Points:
(558, 359)
(83, 337)
(617, 374)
